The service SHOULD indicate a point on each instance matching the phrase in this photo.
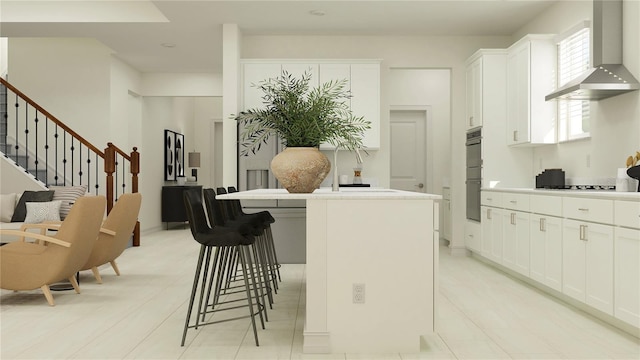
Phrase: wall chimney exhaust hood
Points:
(608, 77)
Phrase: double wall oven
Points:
(474, 173)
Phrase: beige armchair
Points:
(121, 220)
(28, 266)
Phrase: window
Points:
(573, 60)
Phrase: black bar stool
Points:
(225, 242)
(218, 217)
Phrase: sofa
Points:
(32, 207)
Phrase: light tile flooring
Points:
(483, 314)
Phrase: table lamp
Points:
(194, 163)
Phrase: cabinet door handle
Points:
(515, 135)
(583, 209)
(488, 214)
(470, 120)
(513, 202)
(583, 232)
(543, 226)
(491, 199)
(513, 218)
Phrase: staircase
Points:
(54, 154)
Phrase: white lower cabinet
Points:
(545, 262)
(515, 241)
(587, 263)
(473, 236)
(627, 275)
(492, 233)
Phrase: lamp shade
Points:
(194, 159)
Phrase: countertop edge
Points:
(602, 194)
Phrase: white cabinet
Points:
(627, 275)
(587, 258)
(485, 75)
(473, 236)
(516, 232)
(365, 88)
(545, 264)
(446, 213)
(627, 262)
(491, 225)
(474, 93)
(545, 238)
(531, 63)
(587, 251)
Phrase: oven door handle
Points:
(473, 181)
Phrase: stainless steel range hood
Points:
(608, 77)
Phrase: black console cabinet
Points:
(173, 209)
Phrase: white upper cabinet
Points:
(365, 88)
(531, 69)
(485, 87)
(474, 93)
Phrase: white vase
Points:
(300, 169)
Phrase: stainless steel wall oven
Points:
(474, 173)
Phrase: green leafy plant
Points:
(302, 116)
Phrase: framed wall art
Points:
(173, 155)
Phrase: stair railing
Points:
(55, 154)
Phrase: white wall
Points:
(68, 77)
(396, 52)
(615, 122)
(428, 87)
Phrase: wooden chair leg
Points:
(115, 267)
(75, 285)
(96, 274)
(47, 294)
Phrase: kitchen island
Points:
(379, 240)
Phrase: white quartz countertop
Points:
(601, 194)
(328, 194)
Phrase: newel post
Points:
(135, 170)
(109, 169)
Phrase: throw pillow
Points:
(7, 204)
(38, 212)
(68, 196)
(29, 196)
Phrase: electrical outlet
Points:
(358, 294)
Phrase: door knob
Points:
(420, 186)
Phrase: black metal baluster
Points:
(26, 137)
(55, 159)
(124, 178)
(88, 169)
(115, 181)
(46, 151)
(80, 164)
(36, 157)
(96, 166)
(17, 147)
(72, 162)
(64, 158)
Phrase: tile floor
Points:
(483, 314)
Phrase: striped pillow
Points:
(67, 195)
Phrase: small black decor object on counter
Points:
(634, 172)
(550, 179)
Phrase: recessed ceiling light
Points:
(317, 12)
(168, 45)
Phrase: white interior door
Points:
(408, 150)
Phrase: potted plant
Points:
(303, 118)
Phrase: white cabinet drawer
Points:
(514, 201)
(595, 210)
(627, 213)
(491, 198)
(545, 204)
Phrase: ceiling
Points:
(136, 29)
